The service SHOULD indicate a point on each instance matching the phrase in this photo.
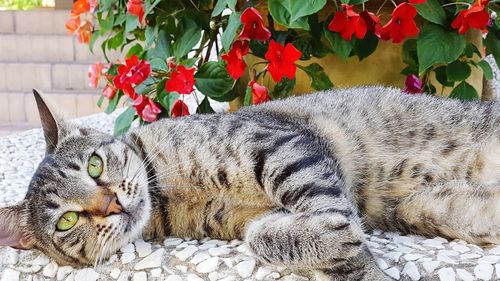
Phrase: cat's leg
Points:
(455, 209)
(317, 228)
(328, 244)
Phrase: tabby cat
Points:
(298, 179)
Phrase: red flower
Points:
(136, 8)
(93, 5)
(282, 60)
(95, 72)
(79, 7)
(401, 25)
(474, 17)
(253, 26)
(134, 72)
(179, 109)
(72, 24)
(418, 1)
(146, 108)
(348, 23)
(109, 91)
(84, 32)
(235, 64)
(259, 93)
(181, 80)
(413, 85)
(372, 22)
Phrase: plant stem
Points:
(380, 8)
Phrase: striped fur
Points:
(299, 179)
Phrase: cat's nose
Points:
(114, 206)
(105, 204)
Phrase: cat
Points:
(299, 179)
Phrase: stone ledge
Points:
(173, 259)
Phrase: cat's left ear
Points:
(13, 232)
(53, 126)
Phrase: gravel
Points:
(182, 258)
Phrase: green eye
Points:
(95, 166)
(67, 221)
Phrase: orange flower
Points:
(80, 6)
(84, 32)
(72, 24)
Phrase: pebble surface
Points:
(177, 259)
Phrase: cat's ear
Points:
(12, 231)
(53, 126)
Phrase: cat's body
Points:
(298, 179)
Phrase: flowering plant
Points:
(175, 47)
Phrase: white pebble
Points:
(213, 276)
(262, 272)
(430, 266)
(143, 248)
(411, 271)
(10, 275)
(50, 270)
(173, 278)
(228, 262)
(382, 264)
(63, 272)
(40, 260)
(393, 272)
(156, 273)
(489, 259)
(483, 271)
(446, 259)
(194, 277)
(464, 275)
(371, 244)
(208, 265)
(402, 239)
(446, 274)
(206, 246)
(86, 274)
(127, 258)
(404, 250)
(497, 270)
(182, 268)
(394, 256)
(437, 244)
(245, 268)
(172, 242)
(448, 253)
(469, 256)
(186, 252)
(199, 258)
(216, 242)
(115, 273)
(140, 276)
(495, 251)
(215, 252)
(460, 248)
(129, 248)
(412, 257)
(151, 261)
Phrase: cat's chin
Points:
(134, 219)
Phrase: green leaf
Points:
(151, 34)
(258, 48)
(149, 8)
(160, 89)
(205, 107)
(410, 52)
(464, 91)
(131, 23)
(366, 46)
(113, 102)
(124, 121)
(436, 45)
(492, 43)
(319, 79)
(340, 46)
(116, 41)
(248, 97)
(441, 76)
(135, 50)
(486, 67)
(190, 36)
(106, 24)
(470, 50)
(162, 49)
(229, 33)
(283, 88)
(213, 80)
(92, 41)
(158, 64)
(355, 2)
(100, 101)
(293, 13)
(458, 71)
(221, 5)
(432, 11)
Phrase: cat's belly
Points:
(212, 212)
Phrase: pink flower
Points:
(413, 85)
(95, 72)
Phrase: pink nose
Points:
(105, 204)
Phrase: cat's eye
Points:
(67, 221)
(95, 166)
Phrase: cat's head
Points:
(87, 198)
